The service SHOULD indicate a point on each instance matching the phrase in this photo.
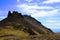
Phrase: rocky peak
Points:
(9, 13)
(14, 14)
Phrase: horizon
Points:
(45, 11)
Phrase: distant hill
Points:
(22, 25)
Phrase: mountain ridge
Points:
(24, 26)
(17, 18)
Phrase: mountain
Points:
(18, 24)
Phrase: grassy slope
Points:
(9, 30)
(57, 36)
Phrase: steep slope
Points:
(42, 29)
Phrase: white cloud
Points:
(52, 21)
(29, 0)
(2, 17)
(44, 13)
(18, 0)
(54, 25)
(38, 13)
(25, 6)
(51, 1)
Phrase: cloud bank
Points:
(51, 1)
(38, 11)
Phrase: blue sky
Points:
(45, 11)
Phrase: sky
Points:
(45, 11)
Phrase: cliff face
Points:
(25, 23)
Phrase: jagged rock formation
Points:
(25, 23)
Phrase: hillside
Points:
(18, 26)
